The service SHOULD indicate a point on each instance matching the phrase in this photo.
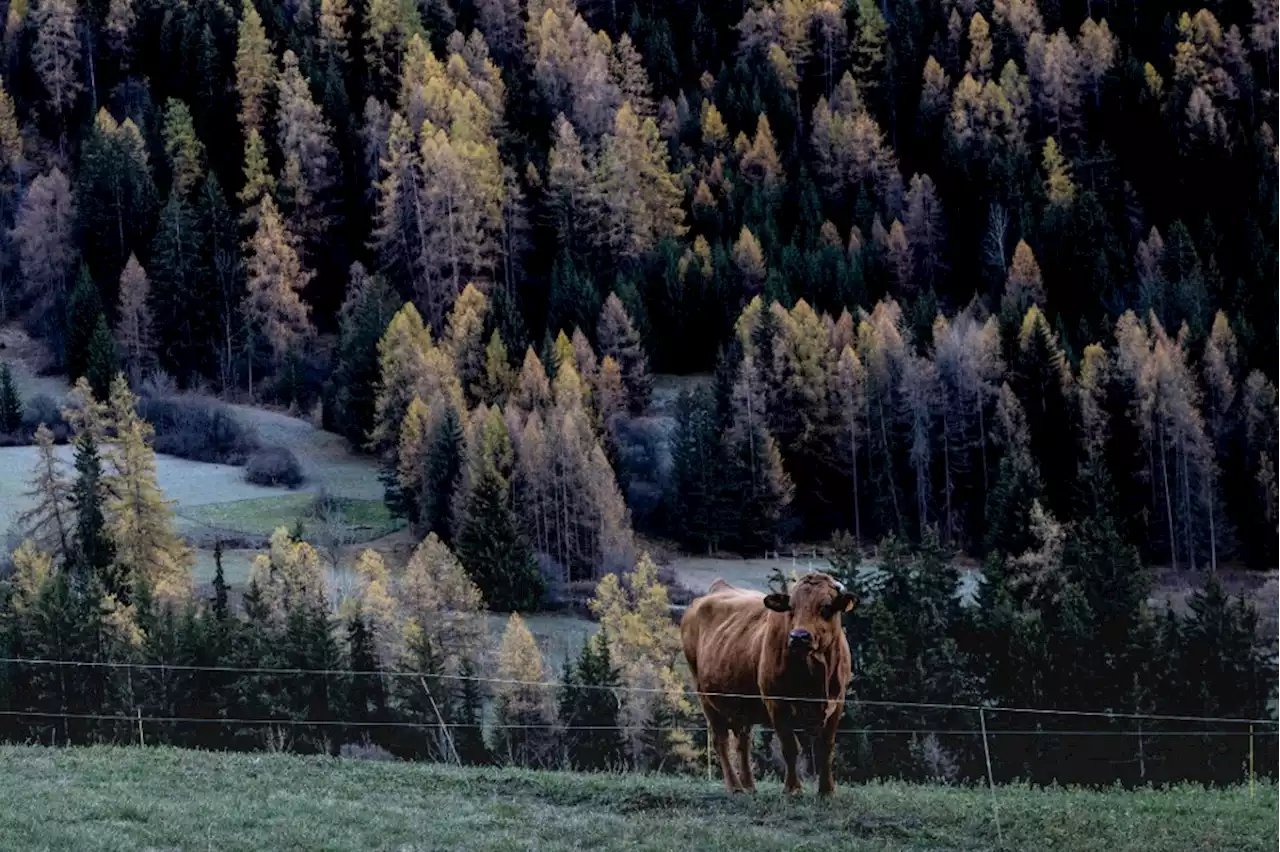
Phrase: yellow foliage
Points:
(290, 574)
(32, 569)
(435, 597)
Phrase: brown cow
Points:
(756, 651)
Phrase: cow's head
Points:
(813, 610)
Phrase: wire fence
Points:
(693, 693)
(881, 738)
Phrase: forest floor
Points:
(105, 799)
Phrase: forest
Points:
(992, 280)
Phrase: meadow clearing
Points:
(102, 799)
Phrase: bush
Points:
(197, 429)
(43, 408)
(273, 466)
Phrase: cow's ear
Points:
(778, 602)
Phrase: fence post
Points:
(141, 740)
(991, 780)
(1251, 761)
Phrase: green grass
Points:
(90, 799)
(362, 520)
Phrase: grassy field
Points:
(118, 799)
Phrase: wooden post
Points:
(448, 737)
(1251, 761)
(141, 740)
(991, 780)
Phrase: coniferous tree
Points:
(92, 549)
(366, 312)
(442, 474)
(521, 734)
(43, 230)
(589, 709)
(178, 303)
(10, 402)
(100, 364)
(135, 329)
(490, 543)
(83, 310)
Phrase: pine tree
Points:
(255, 68)
(56, 55)
(135, 328)
(490, 543)
(221, 607)
(619, 340)
(48, 523)
(44, 232)
(521, 735)
(116, 193)
(305, 138)
(148, 548)
(442, 475)
(366, 695)
(179, 305)
(93, 552)
(366, 312)
(83, 310)
(259, 182)
(100, 365)
(10, 402)
(183, 148)
(275, 278)
(589, 709)
(640, 196)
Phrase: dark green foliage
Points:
(181, 305)
(468, 713)
(10, 402)
(494, 550)
(442, 475)
(366, 698)
(92, 551)
(702, 508)
(220, 605)
(589, 709)
(100, 366)
(574, 301)
(364, 320)
(83, 309)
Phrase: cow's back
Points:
(724, 634)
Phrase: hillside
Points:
(100, 799)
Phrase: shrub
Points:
(273, 466)
(43, 408)
(197, 429)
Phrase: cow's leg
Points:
(826, 755)
(790, 751)
(720, 738)
(745, 776)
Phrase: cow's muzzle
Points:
(799, 640)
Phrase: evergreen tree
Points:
(366, 312)
(100, 366)
(220, 605)
(83, 310)
(179, 305)
(589, 709)
(10, 402)
(494, 550)
(93, 553)
(442, 474)
(366, 699)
